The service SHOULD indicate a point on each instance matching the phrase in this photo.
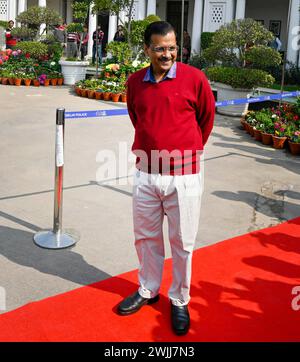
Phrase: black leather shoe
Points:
(180, 319)
(134, 302)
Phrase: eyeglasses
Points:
(171, 49)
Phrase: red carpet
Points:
(241, 291)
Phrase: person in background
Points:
(84, 37)
(10, 40)
(186, 51)
(98, 36)
(60, 34)
(119, 35)
(72, 40)
(276, 43)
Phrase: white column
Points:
(69, 16)
(92, 28)
(292, 46)
(22, 6)
(151, 7)
(240, 9)
(229, 16)
(141, 9)
(112, 27)
(122, 17)
(42, 4)
(12, 10)
(197, 26)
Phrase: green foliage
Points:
(262, 56)
(152, 18)
(233, 40)
(75, 27)
(32, 19)
(198, 61)
(3, 24)
(24, 33)
(34, 48)
(206, 40)
(35, 16)
(55, 50)
(239, 77)
(120, 51)
(80, 11)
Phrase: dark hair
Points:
(159, 28)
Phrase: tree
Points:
(31, 21)
(240, 41)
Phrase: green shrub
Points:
(239, 77)
(262, 56)
(3, 24)
(198, 61)
(75, 27)
(206, 40)
(24, 33)
(120, 51)
(232, 41)
(34, 48)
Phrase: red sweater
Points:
(10, 40)
(173, 115)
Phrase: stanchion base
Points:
(50, 240)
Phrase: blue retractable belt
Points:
(124, 111)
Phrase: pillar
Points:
(197, 26)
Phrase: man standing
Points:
(98, 36)
(172, 107)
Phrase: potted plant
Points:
(294, 143)
(279, 136)
(238, 53)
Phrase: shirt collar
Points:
(149, 77)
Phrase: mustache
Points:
(164, 59)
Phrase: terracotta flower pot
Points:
(243, 123)
(266, 138)
(53, 81)
(294, 148)
(60, 81)
(278, 142)
(18, 81)
(251, 131)
(124, 97)
(83, 92)
(78, 91)
(11, 81)
(257, 135)
(247, 127)
(91, 93)
(98, 95)
(115, 97)
(4, 81)
(27, 82)
(106, 96)
(46, 82)
(36, 82)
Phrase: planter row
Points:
(270, 139)
(106, 96)
(34, 82)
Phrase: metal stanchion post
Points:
(56, 239)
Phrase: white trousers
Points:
(179, 197)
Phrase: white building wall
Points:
(268, 10)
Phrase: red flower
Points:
(296, 118)
(27, 55)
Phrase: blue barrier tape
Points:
(124, 111)
(234, 102)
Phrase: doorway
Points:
(174, 16)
